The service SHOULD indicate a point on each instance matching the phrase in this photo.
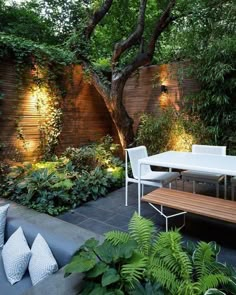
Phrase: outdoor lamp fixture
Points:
(164, 88)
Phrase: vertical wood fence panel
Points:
(85, 116)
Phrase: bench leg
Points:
(169, 216)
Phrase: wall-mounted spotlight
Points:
(164, 88)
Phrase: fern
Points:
(162, 274)
(212, 281)
(134, 270)
(203, 259)
(188, 288)
(142, 230)
(116, 237)
(170, 250)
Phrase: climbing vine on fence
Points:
(42, 67)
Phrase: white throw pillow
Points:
(3, 218)
(16, 255)
(42, 262)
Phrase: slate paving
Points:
(110, 213)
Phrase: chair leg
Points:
(176, 184)
(183, 185)
(225, 187)
(217, 190)
(232, 192)
(194, 187)
(142, 190)
(126, 192)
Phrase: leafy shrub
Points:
(44, 189)
(171, 130)
(59, 185)
(142, 262)
(101, 154)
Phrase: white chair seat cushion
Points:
(201, 176)
(42, 262)
(162, 177)
(3, 218)
(16, 255)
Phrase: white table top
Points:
(200, 162)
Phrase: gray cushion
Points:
(15, 256)
(201, 176)
(17, 289)
(3, 217)
(42, 263)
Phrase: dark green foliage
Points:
(206, 37)
(61, 184)
(170, 130)
(144, 262)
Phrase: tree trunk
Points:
(119, 115)
(113, 99)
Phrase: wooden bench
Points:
(192, 203)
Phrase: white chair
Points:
(198, 176)
(148, 177)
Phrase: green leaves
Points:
(142, 262)
(63, 183)
(81, 262)
(109, 277)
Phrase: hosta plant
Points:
(145, 262)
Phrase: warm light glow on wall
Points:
(164, 100)
(26, 147)
(30, 145)
(181, 141)
(40, 97)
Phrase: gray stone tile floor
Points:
(110, 213)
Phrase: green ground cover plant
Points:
(80, 175)
(143, 262)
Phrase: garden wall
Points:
(85, 116)
(143, 92)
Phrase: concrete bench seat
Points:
(193, 203)
(63, 238)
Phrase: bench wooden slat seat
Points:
(193, 203)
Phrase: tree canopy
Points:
(113, 38)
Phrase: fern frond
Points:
(203, 259)
(161, 274)
(169, 248)
(142, 230)
(116, 237)
(134, 270)
(164, 240)
(188, 288)
(212, 281)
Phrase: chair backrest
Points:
(209, 149)
(136, 154)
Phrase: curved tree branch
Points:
(135, 36)
(161, 24)
(145, 57)
(97, 17)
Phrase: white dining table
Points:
(223, 164)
